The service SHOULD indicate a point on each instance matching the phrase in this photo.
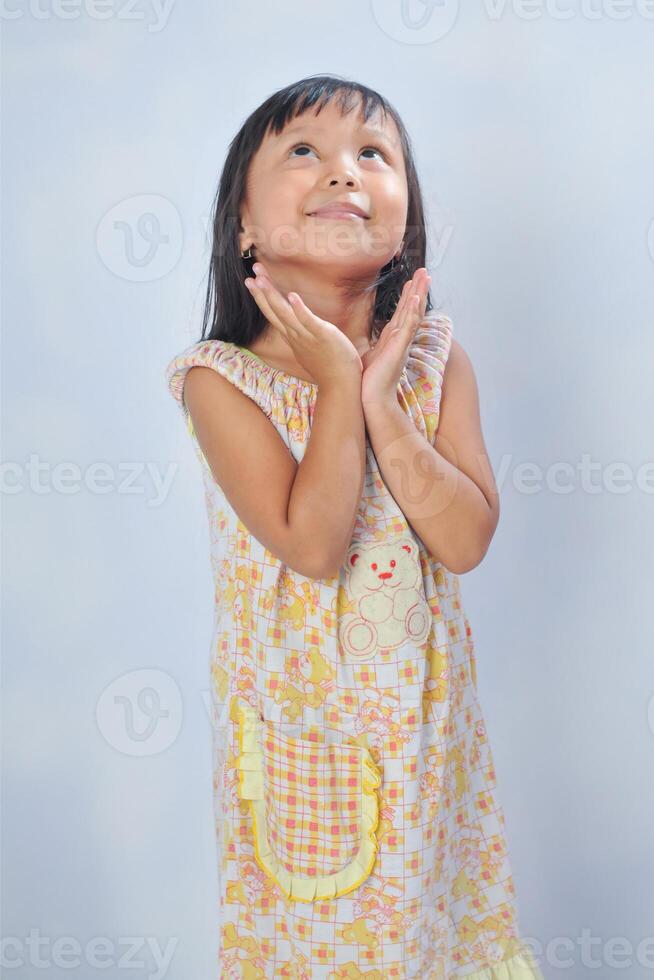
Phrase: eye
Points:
(300, 146)
(376, 150)
(306, 146)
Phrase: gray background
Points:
(534, 143)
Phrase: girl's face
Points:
(316, 160)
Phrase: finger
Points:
(420, 287)
(401, 305)
(301, 310)
(411, 285)
(276, 302)
(412, 316)
(308, 320)
(401, 333)
(275, 297)
(299, 320)
(263, 303)
(423, 304)
(280, 305)
(273, 294)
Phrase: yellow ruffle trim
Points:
(523, 966)
(251, 787)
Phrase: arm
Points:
(302, 513)
(446, 491)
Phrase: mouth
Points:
(336, 215)
(339, 211)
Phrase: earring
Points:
(248, 254)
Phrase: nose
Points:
(386, 575)
(348, 181)
(344, 175)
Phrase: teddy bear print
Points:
(382, 598)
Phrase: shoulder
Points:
(458, 359)
(459, 380)
(224, 361)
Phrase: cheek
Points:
(391, 218)
(279, 201)
(396, 199)
(390, 196)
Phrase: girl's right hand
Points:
(318, 346)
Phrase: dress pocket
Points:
(314, 806)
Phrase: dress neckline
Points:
(292, 379)
(276, 372)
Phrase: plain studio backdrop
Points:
(531, 124)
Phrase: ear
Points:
(245, 238)
(245, 242)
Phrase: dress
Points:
(358, 828)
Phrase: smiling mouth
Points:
(336, 215)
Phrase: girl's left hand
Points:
(383, 365)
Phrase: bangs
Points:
(316, 93)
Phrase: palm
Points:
(383, 365)
(378, 363)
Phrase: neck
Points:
(348, 304)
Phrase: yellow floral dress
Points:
(358, 826)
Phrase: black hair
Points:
(230, 312)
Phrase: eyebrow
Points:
(372, 130)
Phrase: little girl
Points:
(337, 425)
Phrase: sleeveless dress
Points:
(358, 828)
